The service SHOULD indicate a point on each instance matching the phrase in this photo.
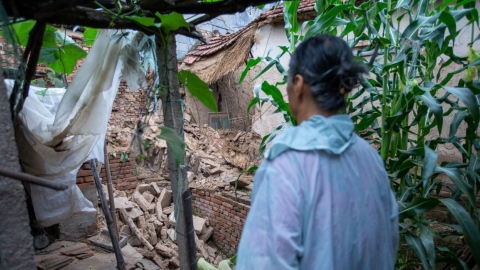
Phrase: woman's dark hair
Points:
(327, 65)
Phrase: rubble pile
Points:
(147, 218)
(215, 159)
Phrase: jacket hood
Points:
(333, 134)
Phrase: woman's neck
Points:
(305, 114)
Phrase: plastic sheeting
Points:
(57, 135)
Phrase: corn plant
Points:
(399, 105)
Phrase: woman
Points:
(321, 197)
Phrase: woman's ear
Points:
(298, 86)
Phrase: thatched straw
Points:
(232, 57)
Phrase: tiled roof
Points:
(217, 43)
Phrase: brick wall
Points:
(225, 214)
(122, 173)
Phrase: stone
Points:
(217, 170)
(155, 188)
(135, 213)
(134, 241)
(200, 246)
(211, 252)
(218, 259)
(145, 252)
(171, 219)
(152, 233)
(148, 197)
(174, 262)
(158, 261)
(126, 230)
(165, 198)
(199, 225)
(103, 240)
(141, 201)
(141, 224)
(168, 210)
(164, 250)
(208, 233)
(144, 187)
(120, 193)
(123, 202)
(242, 182)
(159, 210)
(130, 252)
(171, 235)
(163, 234)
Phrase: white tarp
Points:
(57, 136)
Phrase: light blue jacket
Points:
(321, 200)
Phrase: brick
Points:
(84, 173)
(80, 180)
(86, 185)
(216, 201)
(89, 179)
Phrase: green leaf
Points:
(468, 98)
(172, 21)
(366, 121)
(415, 243)
(323, 21)
(61, 59)
(457, 120)
(470, 231)
(251, 169)
(428, 165)
(90, 35)
(254, 101)
(418, 205)
(435, 107)
(145, 21)
(198, 88)
(411, 32)
(22, 32)
(291, 23)
(175, 142)
(456, 177)
(251, 63)
(426, 236)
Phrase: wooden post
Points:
(110, 188)
(108, 217)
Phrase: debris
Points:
(141, 222)
(123, 202)
(76, 249)
(171, 235)
(133, 228)
(130, 252)
(165, 198)
(168, 210)
(200, 246)
(164, 250)
(145, 187)
(159, 210)
(135, 213)
(103, 240)
(208, 233)
(85, 255)
(156, 189)
(174, 262)
(199, 225)
(140, 200)
(54, 262)
(218, 259)
(148, 197)
(152, 233)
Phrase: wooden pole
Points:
(110, 188)
(108, 217)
